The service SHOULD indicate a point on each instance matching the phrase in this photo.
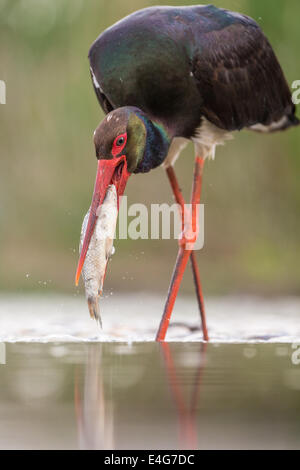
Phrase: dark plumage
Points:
(179, 64)
(164, 75)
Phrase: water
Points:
(67, 385)
(148, 395)
(135, 317)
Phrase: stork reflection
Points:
(118, 376)
(186, 408)
(94, 412)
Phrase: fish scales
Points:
(99, 251)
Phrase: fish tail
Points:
(93, 304)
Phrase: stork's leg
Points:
(183, 253)
(180, 201)
(181, 262)
(199, 294)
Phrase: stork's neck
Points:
(158, 141)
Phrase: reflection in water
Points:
(164, 396)
(94, 412)
(186, 409)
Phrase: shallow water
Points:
(136, 318)
(149, 395)
(67, 384)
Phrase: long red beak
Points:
(112, 171)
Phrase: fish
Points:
(100, 250)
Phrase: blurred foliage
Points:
(251, 193)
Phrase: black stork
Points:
(165, 76)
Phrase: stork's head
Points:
(126, 142)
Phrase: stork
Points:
(169, 75)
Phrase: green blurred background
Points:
(251, 192)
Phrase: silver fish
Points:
(99, 251)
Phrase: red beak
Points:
(113, 171)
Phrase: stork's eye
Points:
(120, 141)
(119, 144)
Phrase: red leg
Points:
(183, 254)
(199, 293)
(180, 200)
(187, 422)
(181, 262)
(187, 412)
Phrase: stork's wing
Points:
(149, 59)
(240, 79)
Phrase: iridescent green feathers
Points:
(147, 142)
(181, 64)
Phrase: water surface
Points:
(136, 316)
(66, 384)
(149, 395)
